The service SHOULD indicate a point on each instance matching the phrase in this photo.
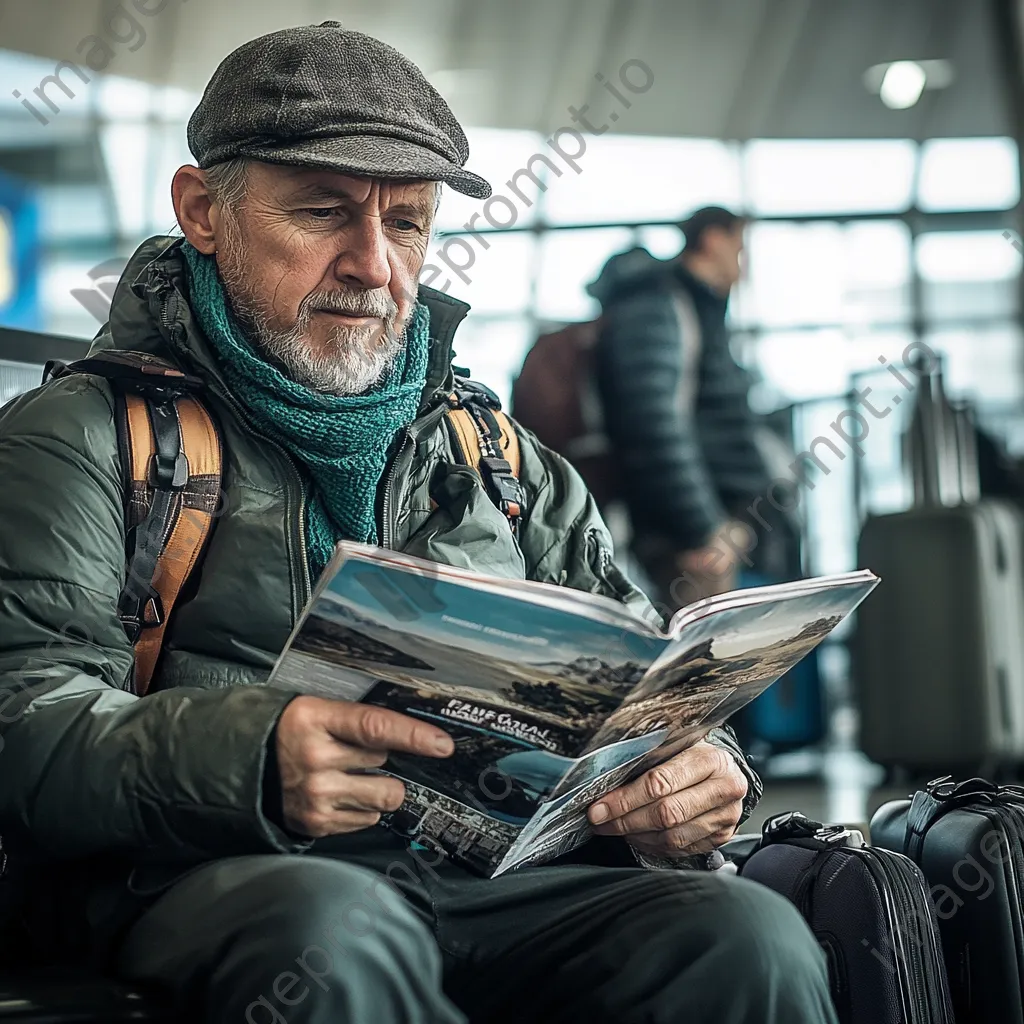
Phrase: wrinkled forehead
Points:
(312, 184)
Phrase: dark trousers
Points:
(367, 932)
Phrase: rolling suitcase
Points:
(939, 649)
(869, 910)
(968, 839)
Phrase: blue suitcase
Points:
(791, 713)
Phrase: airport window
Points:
(853, 246)
(497, 155)
(785, 177)
(630, 179)
(569, 261)
(968, 174)
(495, 279)
(968, 275)
(825, 273)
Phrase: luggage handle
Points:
(946, 789)
(946, 794)
(792, 826)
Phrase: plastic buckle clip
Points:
(166, 474)
(505, 487)
(139, 612)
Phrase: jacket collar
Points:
(150, 313)
(697, 286)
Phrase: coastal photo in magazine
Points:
(719, 664)
(552, 697)
(382, 621)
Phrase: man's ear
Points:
(194, 208)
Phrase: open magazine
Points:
(553, 697)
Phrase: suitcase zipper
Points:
(926, 992)
(920, 984)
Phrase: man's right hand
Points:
(321, 746)
(713, 569)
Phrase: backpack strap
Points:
(171, 466)
(484, 439)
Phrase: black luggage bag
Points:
(968, 838)
(869, 910)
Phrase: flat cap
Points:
(325, 96)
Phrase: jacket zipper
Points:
(386, 532)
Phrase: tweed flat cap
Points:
(325, 96)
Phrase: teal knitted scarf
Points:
(342, 442)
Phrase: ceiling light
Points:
(902, 84)
(899, 84)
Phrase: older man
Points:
(216, 836)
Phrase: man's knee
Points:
(333, 908)
(764, 935)
(324, 926)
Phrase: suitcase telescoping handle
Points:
(940, 445)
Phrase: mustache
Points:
(376, 303)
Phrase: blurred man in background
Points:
(675, 408)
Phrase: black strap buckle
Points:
(505, 489)
(168, 474)
(139, 611)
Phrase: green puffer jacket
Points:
(87, 768)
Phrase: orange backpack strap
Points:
(171, 463)
(484, 439)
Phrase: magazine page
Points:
(721, 661)
(729, 655)
(519, 679)
(759, 595)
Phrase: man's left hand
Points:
(690, 804)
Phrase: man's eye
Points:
(405, 225)
(322, 212)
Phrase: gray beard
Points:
(353, 360)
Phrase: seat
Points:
(66, 996)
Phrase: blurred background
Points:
(874, 147)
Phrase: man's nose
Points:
(363, 260)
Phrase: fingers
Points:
(677, 809)
(334, 824)
(662, 784)
(331, 801)
(702, 835)
(363, 725)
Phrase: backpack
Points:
(556, 395)
(172, 459)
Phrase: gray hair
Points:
(226, 182)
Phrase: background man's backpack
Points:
(556, 397)
(556, 394)
(172, 464)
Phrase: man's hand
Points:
(322, 745)
(712, 569)
(691, 803)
